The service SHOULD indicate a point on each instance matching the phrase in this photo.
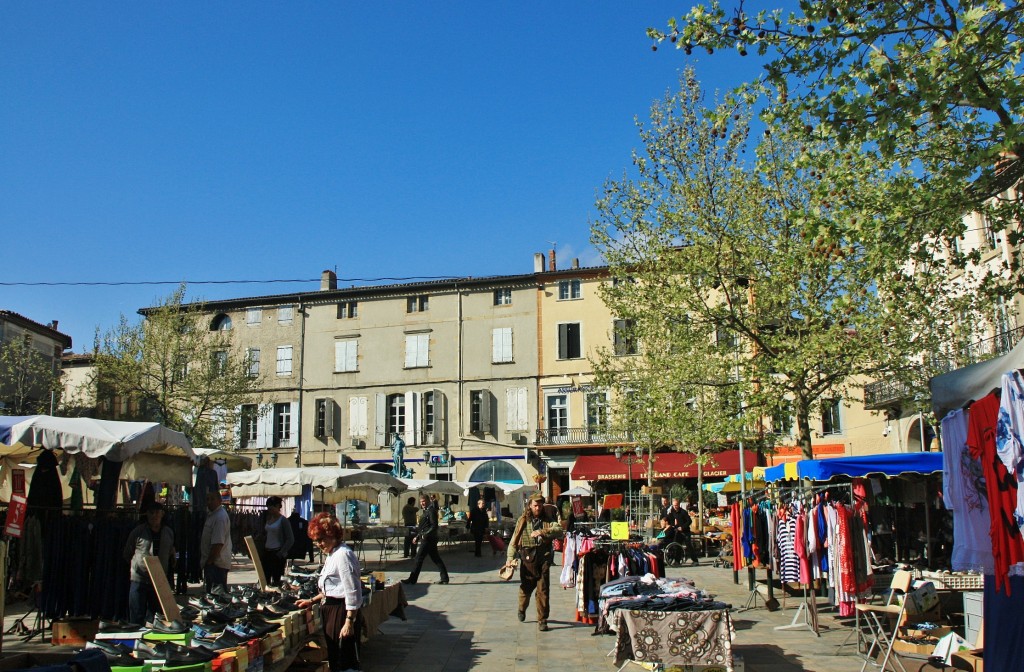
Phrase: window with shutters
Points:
(501, 345)
(624, 337)
(782, 420)
(517, 417)
(324, 418)
(252, 362)
(248, 417)
(503, 297)
(569, 341)
(429, 418)
(831, 421)
(417, 350)
(569, 290)
(346, 355)
(348, 310)
(253, 317)
(221, 322)
(282, 424)
(597, 412)
(220, 362)
(285, 314)
(417, 304)
(396, 417)
(284, 360)
(558, 417)
(478, 412)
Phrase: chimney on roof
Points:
(575, 262)
(328, 281)
(53, 325)
(552, 266)
(538, 262)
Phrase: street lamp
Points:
(629, 458)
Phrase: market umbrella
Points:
(234, 461)
(336, 484)
(433, 487)
(579, 491)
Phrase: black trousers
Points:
(342, 654)
(478, 541)
(428, 547)
(273, 565)
(409, 548)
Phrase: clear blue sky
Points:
(145, 141)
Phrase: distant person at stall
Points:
(341, 593)
(532, 541)
(479, 521)
(665, 506)
(215, 544)
(426, 538)
(150, 538)
(409, 512)
(676, 524)
(277, 538)
(303, 546)
(206, 482)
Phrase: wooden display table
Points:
(385, 603)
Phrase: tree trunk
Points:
(803, 425)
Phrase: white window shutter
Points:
(329, 418)
(485, 411)
(423, 350)
(339, 355)
(412, 418)
(293, 438)
(352, 355)
(439, 417)
(265, 426)
(511, 409)
(356, 417)
(496, 345)
(523, 411)
(410, 351)
(380, 419)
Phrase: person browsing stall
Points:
(215, 544)
(341, 593)
(277, 541)
(479, 521)
(149, 538)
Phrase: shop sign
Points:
(16, 516)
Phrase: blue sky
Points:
(144, 141)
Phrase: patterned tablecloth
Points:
(674, 637)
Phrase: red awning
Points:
(666, 465)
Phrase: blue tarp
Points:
(889, 464)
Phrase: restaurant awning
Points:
(666, 465)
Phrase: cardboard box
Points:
(923, 648)
(912, 632)
(922, 598)
(969, 660)
(73, 632)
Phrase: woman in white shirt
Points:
(340, 592)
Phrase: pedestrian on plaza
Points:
(215, 544)
(206, 482)
(532, 541)
(426, 539)
(676, 524)
(409, 512)
(149, 538)
(277, 539)
(341, 593)
(479, 521)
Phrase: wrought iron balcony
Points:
(890, 392)
(581, 435)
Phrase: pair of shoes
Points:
(409, 582)
(522, 616)
(543, 626)
(443, 581)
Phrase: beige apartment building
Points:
(49, 344)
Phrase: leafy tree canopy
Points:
(932, 89)
(28, 378)
(172, 368)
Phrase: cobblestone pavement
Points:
(471, 624)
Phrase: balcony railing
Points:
(578, 435)
(890, 391)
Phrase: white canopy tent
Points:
(579, 490)
(336, 485)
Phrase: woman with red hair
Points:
(340, 592)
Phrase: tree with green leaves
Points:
(735, 297)
(173, 369)
(28, 378)
(933, 90)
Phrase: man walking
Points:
(215, 544)
(426, 540)
(536, 529)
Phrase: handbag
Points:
(508, 570)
